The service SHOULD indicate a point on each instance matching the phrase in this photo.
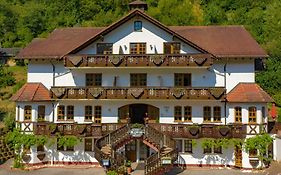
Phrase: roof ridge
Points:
(38, 84)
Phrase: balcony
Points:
(86, 130)
(147, 60)
(202, 131)
(233, 130)
(214, 93)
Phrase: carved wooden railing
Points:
(234, 130)
(74, 92)
(154, 164)
(147, 60)
(87, 130)
(116, 159)
(202, 130)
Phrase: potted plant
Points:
(136, 130)
(129, 166)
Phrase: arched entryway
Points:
(137, 113)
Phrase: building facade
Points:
(182, 83)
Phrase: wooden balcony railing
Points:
(202, 131)
(147, 60)
(175, 130)
(95, 130)
(214, 93)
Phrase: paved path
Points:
(4, 170)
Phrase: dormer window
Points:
(138, 26)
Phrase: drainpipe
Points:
(53, 106)
(224, 69)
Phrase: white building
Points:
(89, 81)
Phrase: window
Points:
(179, 145)
(40, 148)
(93, 79)
(188, 146)
(137, 48)
(41, 113)
(61, 112)
(70, 113)
(217, 114)
(97, 114)
(207, 150)
(263, 114)
(88, 145)
(253, 153)
(238, 114)
(188, 113)
(59, 148)
(104, 48)
(69, 148)
(138, 26)
(252, 115)
(137, 80)
(27, 112)
(207, 113)
(177, 114)
(172, 48)
(182, 80)
(88, 112)
(218, 149)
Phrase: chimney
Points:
(138, 5)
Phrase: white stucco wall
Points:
(122, 36)
(53, 155)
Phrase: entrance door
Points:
(130, 151)
(137, 113)
(238, 156)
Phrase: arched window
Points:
(238, 114)
(27, 112)
(207, 113)
(252, 114)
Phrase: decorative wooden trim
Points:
(140, 60)
(72, 92)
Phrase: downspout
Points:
(53, 105)
(54, 83)
(224, 69)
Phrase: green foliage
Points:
(111, 173)
(6, 78)
(68, 141)
(137, 125)
(259, 143)
(208, 143)
(128, 163)
(9, 120)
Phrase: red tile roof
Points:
(221, 41)
(59, 43)
(32, 92)
(248, 93)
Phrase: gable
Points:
(138, 14)
(152, 35)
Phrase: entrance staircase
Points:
(159, 163)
